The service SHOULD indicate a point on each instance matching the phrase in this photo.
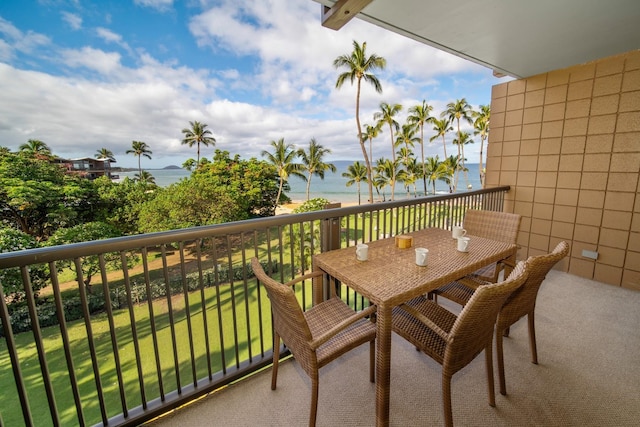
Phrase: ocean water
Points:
(332, 187)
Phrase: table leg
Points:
(383, 365)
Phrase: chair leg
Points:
(314, 400)
(532, 338)
(372, 361)
(500, 355)
(446, 400)
(276, 359)
(489, 362)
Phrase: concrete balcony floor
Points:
(588, 374)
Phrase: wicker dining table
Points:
(390, 277)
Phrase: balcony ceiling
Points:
(519, 38)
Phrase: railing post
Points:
(330, 232)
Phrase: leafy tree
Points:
(37, 197)
(462, 140)
(311, 234)
(139, 149)
(198, 134)
(360, 67)
(105, 153)
(4, 151)
(356, 173)
(283, 158)
(226, 190)
(121, 202)
(419, 115)
(90, 264)
(313, 161)
(11, 278)
(386, 115)
(189, 164)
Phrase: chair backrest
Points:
(501, 226)
(523, 300)
(473, 329)
(288, 318)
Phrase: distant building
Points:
(89, 167)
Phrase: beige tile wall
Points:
(568, 143)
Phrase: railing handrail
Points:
(55, 253)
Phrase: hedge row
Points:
(46, 309)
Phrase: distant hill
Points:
(172, 167)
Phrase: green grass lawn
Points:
(9, 402)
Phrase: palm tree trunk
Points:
(393, 172)
(424, 177)
(308, 186)
(362, 146)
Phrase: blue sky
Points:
(82, 75)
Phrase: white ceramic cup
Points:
(362, 252)
(458, 232)
(421, 256)
(463, 244)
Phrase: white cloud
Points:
(16, 40)
(160, 5)
(93, 59)
(74, 21)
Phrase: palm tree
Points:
(283, 158)
(4, 150)
(389, 170)
(139, 149)
(356, 173)
(459, 110)
(460, 142)
(105, 153)
(145, 177)
(360, 67)
(481, 127)
(441, 127)
(435, 170)
(35, 147)
(313, 161)
(419, 115)
(198, 134)
(386, 116)
(371, 132)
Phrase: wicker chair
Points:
(317, 336)
(454, 341)
(523, 302)
(501, 226)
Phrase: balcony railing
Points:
(165, 318)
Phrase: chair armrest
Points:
(327, 335)
(472, 282)
(428, 322)
(304, 277)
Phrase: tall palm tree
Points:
(139, 149)
(481, 127)
(35, 147)
(419, 115)
(371, 132)
(198, 134)
(441, 127)
(360, 67)
(313, 161)
(283, 158)
(389, 170)
(386, 115)
(105, 153)
(435, 170)
(356, 173)
(459, 110)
